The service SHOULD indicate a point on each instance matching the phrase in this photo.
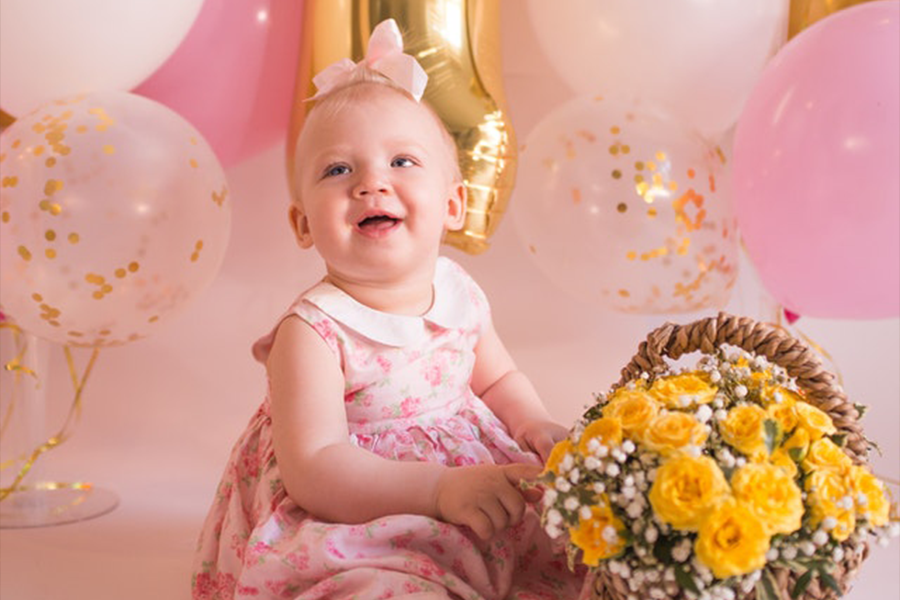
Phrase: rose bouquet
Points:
(722, 481)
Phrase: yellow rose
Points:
(825, 454)
(830, 495)
(744, 429)
(600, 536)
(685, 488)
(799, 441)
(674, 431)
(868, 492)
(784, 414)
(732, 540)
(771, 494)
(557, 455)
(768, 394)
(681, 391)
(783, 460)
(813, 420)
(606, 430)
(634, 409)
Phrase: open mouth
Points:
(377, 222)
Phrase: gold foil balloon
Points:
(626, 208)
(806, 12)
(114, 214)
(457, 45)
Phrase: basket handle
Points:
(776, 344)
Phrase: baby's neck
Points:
(409, 297)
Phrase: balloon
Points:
(114, 214)
(456, 45)
(233, 76)
(697, 57)
(806, 12)
(621, 205)
(54, 48)
(816, 155)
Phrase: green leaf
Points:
(862, 409)
(662, 549)
(802, 584)
(839, 439)
(766, 589)
(684, 579)
(830, 581)
(874, 446)
(796, 454)
(771, 434)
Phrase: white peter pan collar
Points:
(451, 309)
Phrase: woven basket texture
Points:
(671, 341)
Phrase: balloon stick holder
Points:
(28, 499)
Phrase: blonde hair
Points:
(355, 90)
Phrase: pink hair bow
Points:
(385, 55)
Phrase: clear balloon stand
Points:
(28, 498)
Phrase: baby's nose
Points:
(370, 183)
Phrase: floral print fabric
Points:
(407, 397)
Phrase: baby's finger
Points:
(532, 494)
(543, 445)
(497, 513)
(480, 523)
(517, 473)
(513, 503)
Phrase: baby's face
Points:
(377, 186)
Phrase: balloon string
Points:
(15, 366)
(64, 433)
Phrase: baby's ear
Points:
(300, 225)
(456, 207)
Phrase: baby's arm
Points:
(338, 481)
(512, 397)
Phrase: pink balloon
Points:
(233, 76)
(817, 167)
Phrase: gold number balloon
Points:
(806, 12)
(456, 44)
(114, 213)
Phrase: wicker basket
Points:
(671, 341)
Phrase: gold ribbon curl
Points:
(16, 365)
(457, 43)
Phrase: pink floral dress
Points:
(407, 397)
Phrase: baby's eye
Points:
(403, 161)
(335, 170)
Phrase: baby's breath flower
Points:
(731, 404)
(550, 497)
(574, 475)
(562, 485)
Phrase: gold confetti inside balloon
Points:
(806, 12)
(622, 206)
(457, 45)
(114, 214)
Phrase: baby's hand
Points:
(486, 498)
(540, 437)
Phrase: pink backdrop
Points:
(161, 414)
